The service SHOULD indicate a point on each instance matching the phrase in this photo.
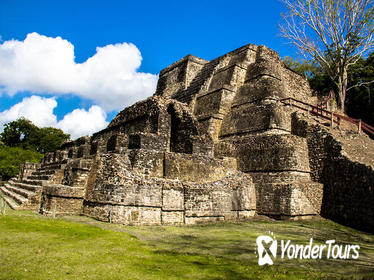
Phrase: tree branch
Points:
(360, 84)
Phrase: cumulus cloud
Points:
(39, 110)
(43, 64)
(35, 108)
(81, 122)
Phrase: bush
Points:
(11, 159)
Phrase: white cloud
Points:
(43, 64)
(81, 122)
(40, 111)
(37, 109)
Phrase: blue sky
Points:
(160, 32)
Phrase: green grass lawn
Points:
(37, 247)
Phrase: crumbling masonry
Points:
(214, 143)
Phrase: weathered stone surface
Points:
(149, 162)
(215, 143)
(63, 191)
(345, 167)
(172, 217)
(289, 199)
(269, 153)
(195, 168)
(172, 198)
(253, 118)
(122, 214)
(179, 75)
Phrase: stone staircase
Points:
(24, 192)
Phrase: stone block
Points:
(134, 192)
(63, 191)
(55, 205)
(253, 117)
(148, 162)
(232, 75)
(289, 199)
(269, 153)
(173, 198)
(244, 198)
(172, 217)
(280, 177)
(148, 141)
(201, 201)
(263, 87)
(268, 62)
(179, 75)
(129, 215)
(121, 214)
(244, 215)
(214, 102)
(194, 168)
(203, 220)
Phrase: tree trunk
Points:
(342, 88)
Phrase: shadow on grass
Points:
(238, 242)
(235, 244)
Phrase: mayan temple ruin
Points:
(220, 140)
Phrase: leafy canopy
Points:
(12, 157)
(23, 133)
(23, 141)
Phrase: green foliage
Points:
(23, 133)
(50, 139)
(12, 157)
(360, 100)
(19, 133)
(23, 141)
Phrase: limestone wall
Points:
(61, 200)
(348, 192)
(122, 196)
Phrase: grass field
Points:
(37, 247)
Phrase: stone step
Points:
(32, 188)
(33, 182)
(12, 181)
(280, 177)
(49, 166)
(11, 203)
(39, 177)
(16, 197)
(44, 172)
(20, 191)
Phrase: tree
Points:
(12, 157)
(50, 139)
(334, 33)
(360, 99)
(23, 133)
(23, 141)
